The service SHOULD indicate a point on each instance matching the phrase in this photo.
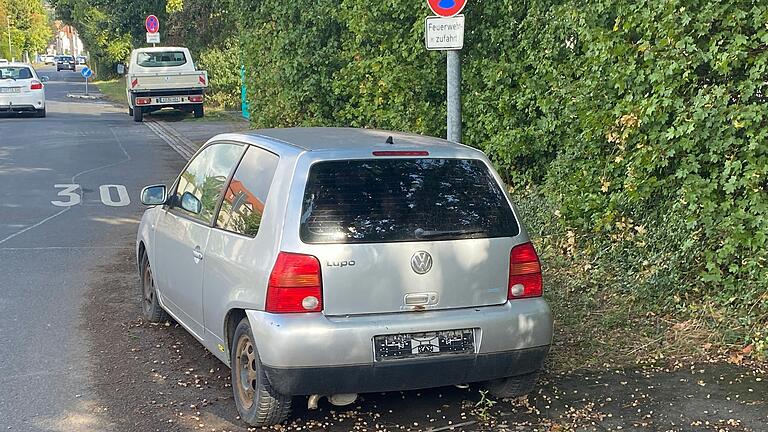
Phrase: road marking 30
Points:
(105, 193)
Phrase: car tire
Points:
(150, 305)
(40, 113)
(512, 387)
(138, 115)
(199, 111)
(257, 402)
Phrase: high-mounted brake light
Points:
(524, 273)
(295, 284)
(401, 153)
(36, 85)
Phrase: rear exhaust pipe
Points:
(336, 399)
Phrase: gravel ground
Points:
(157, 377)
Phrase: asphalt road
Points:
(46, 250)
(76, 356)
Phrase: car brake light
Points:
(524, 273)
(401, 153)
(196, 98)
(143, 101)
(295, 284)
(36, 85)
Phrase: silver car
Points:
(328, 262)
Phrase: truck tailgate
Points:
(168, 80)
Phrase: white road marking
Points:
(69, 191)
(74, 178)
(122, 195)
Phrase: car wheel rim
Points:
(148, 289)
(245, 364)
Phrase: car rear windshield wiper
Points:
(420, 233)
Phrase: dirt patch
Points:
(158, 378)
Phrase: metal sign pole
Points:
(86, 86)
(454, 95)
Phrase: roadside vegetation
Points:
(28, 25)
(632, 134)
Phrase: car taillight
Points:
(196, 98)
(401, 153)
(524, 273)
(295, 284)
(143, 101)
(36, 85)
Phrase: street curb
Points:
(83, 96)
(173, 138)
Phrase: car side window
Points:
(202, 182)
(246, 194)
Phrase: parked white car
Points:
(4, 61)
(163, 77)
(328, 262)
(21, 89)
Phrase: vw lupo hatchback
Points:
(329, 262)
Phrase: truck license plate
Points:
(10, 89)
(413, 345)
(169, 99)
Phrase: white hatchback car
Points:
(21, 89)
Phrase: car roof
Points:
(160, 49)
(17, 64)
(334, 138)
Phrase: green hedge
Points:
(644, 123)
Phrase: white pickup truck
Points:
(163, 77)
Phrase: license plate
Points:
(413, 345)
(10, 89)
(169, 99)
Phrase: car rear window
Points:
(15, 72)
(394, 200)
(161, 59)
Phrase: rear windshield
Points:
(15, 72)
(161, 59)
(392, 200)
(66, 58)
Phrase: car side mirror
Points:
(44, 79)
(190, 203)
(154, 195)
(120, 69)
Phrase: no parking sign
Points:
(446, 8)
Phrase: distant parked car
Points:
(49, 59)
(4, 61)
(332, 261)
(65, 62)
(21, 89)
(81, 60)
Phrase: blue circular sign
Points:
(86, 72)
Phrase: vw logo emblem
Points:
(421, 262)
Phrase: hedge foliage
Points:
(643, 122)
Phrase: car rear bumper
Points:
(293, 347)
(18, 108)
(406, 374)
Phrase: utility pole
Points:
(10, 47)
(454, 95)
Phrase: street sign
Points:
(86, 72)
(444, 33)
(446, 8)
(152, 24)
(153, 38)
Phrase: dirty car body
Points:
(359, 261)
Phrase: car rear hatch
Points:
(410, 233)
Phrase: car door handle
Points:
(197, 254)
